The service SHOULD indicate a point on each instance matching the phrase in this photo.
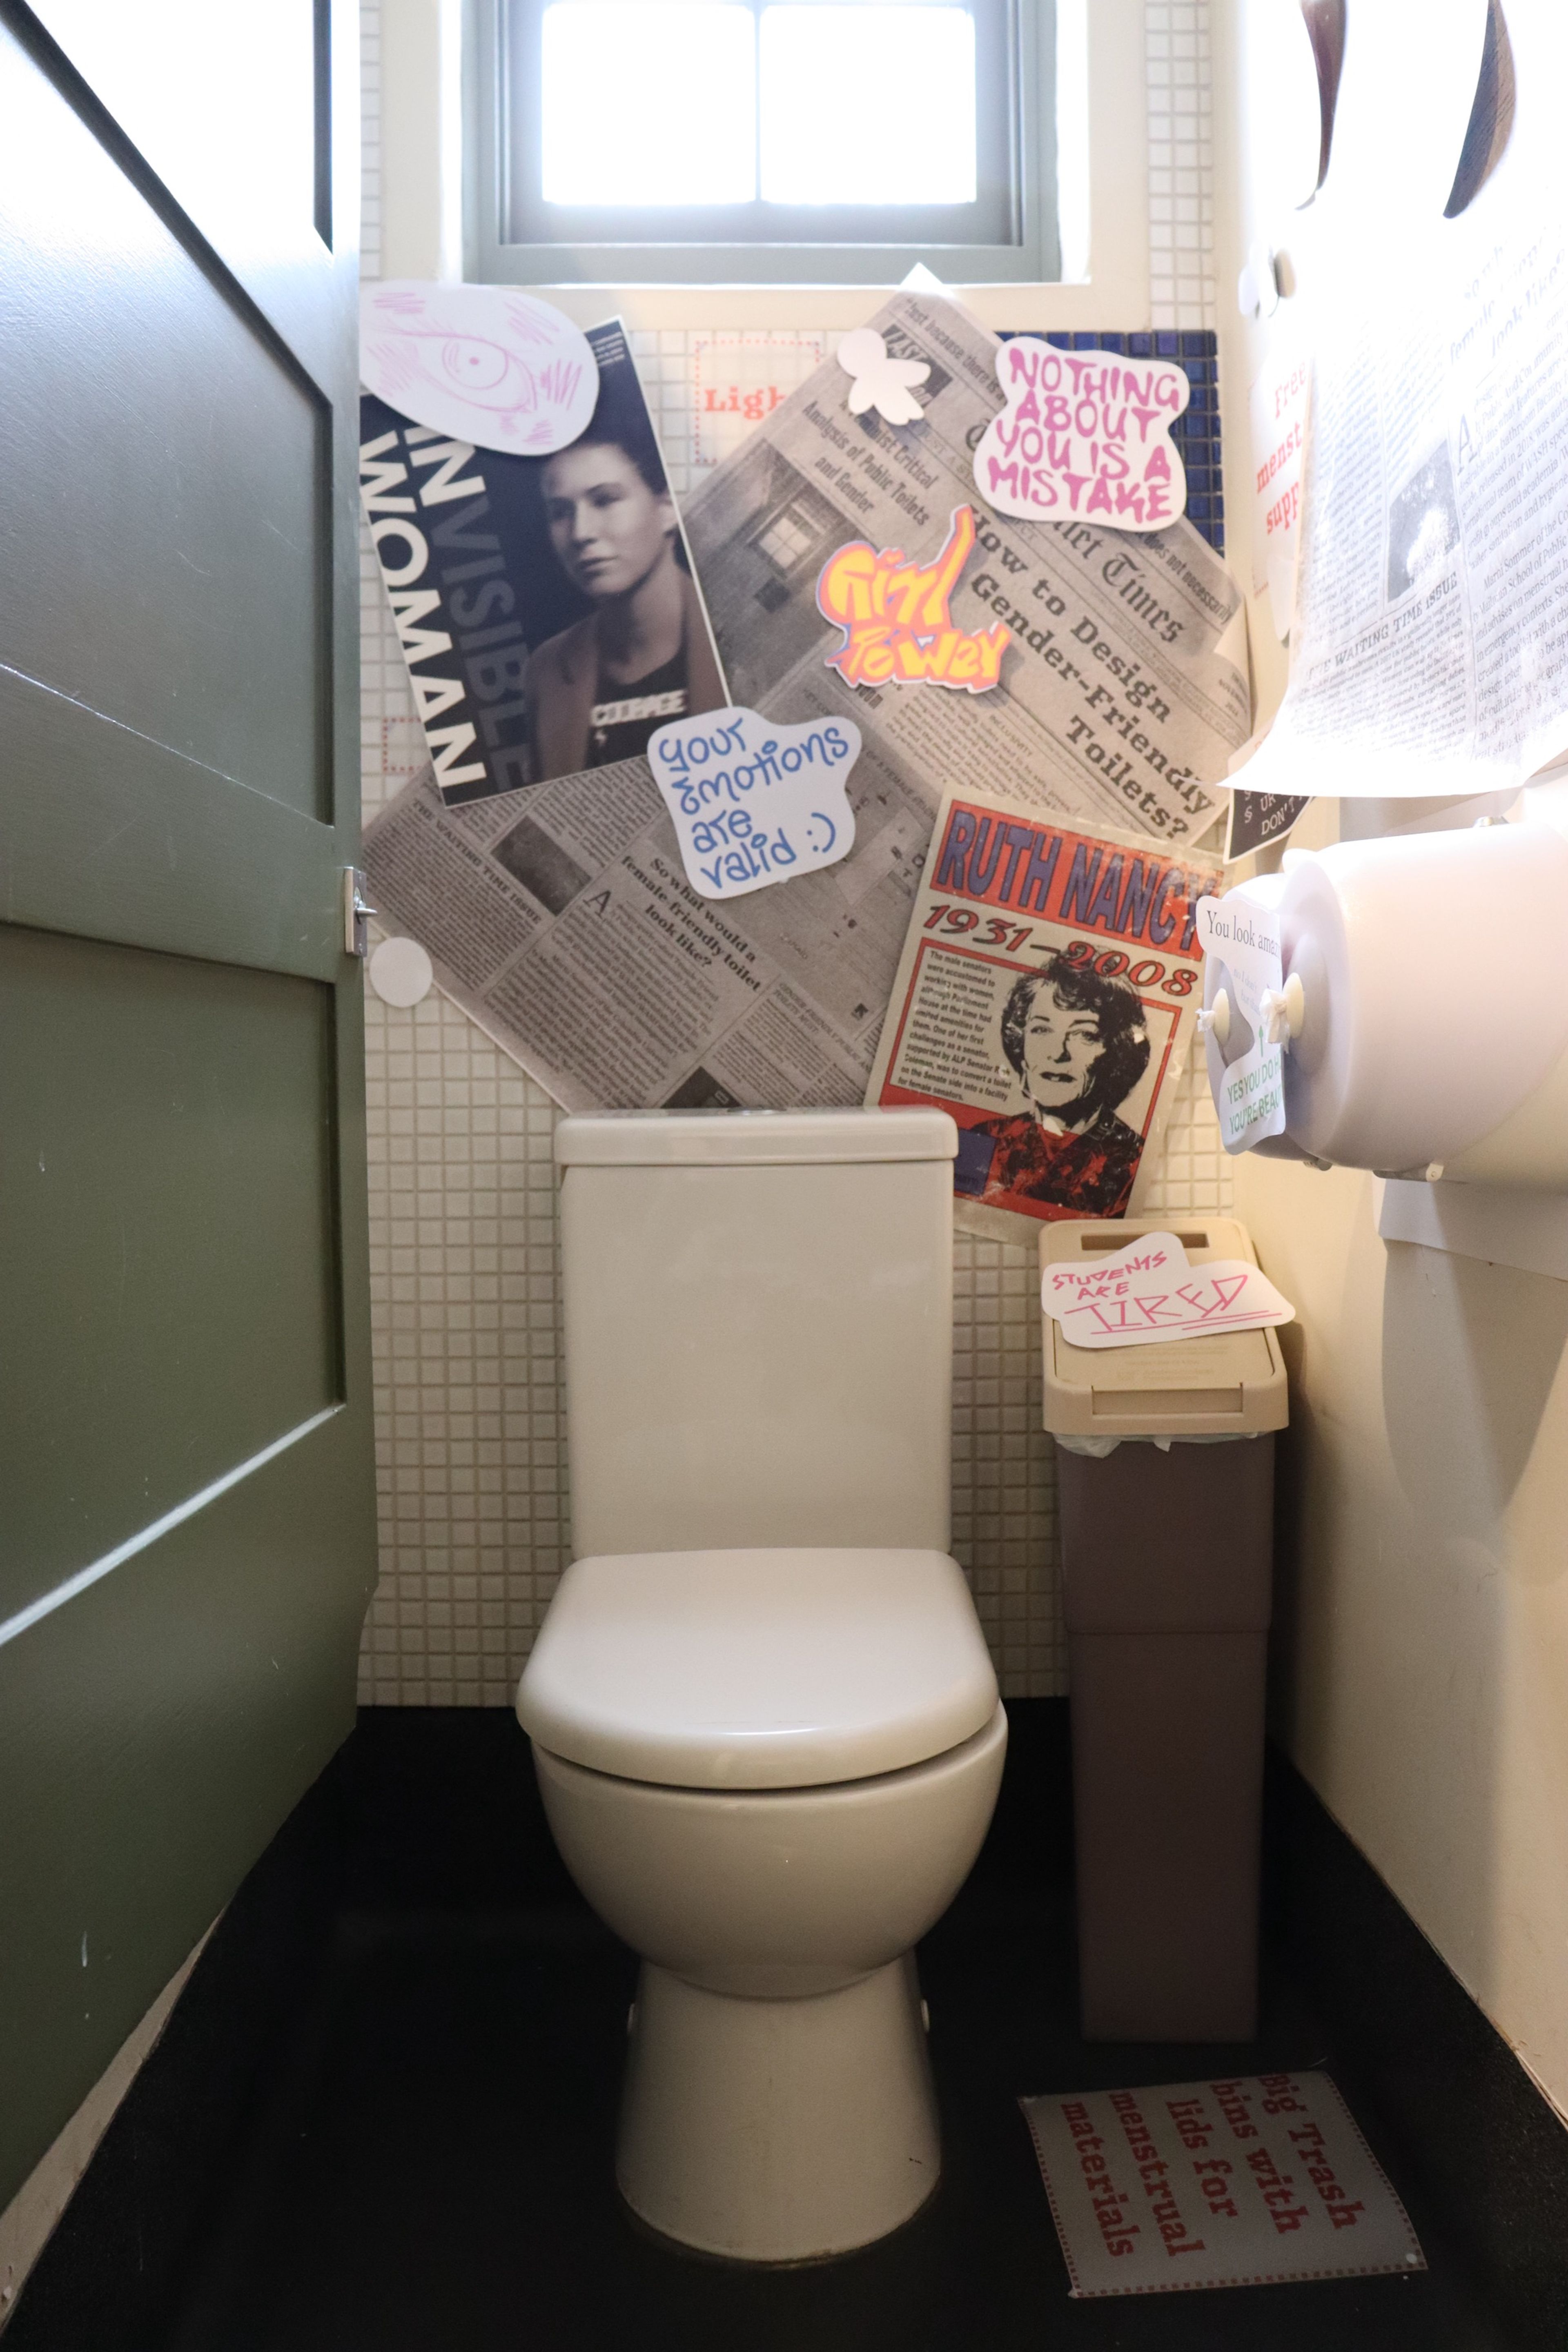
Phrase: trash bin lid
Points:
(1229, 1384)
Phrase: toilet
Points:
(764, 1720)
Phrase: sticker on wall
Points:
(753, 801)
(401, 973)
(490, 365)
(897, 627)
(1084, 432)
(881, 382)
(1257, 820)
(1151, 1291)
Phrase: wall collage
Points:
(471, 1430)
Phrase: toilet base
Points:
(778, 2131)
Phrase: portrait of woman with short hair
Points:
(1078, 1044)
(599, 689)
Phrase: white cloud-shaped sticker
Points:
(1084, 432)
(491, 364)
(753, 801)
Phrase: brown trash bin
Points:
(1167, 1639)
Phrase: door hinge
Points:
(356, 907)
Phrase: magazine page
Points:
(546, 606)
(1046, 997)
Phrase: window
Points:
(817, 141)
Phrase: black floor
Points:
(429, 2162)
(436, 2166)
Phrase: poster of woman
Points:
(1046, 997)
(546, 606)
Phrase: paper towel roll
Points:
(1434, 970)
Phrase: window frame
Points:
(1028, 252)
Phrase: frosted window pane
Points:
(649, 103)
(868, 105)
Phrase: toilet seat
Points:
(758, 1669)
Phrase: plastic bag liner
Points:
(1096, 1449)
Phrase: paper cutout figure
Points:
(1151, 1291)
(1243, 1040)
(1084, 432)
(897, 627)
(495, 366)
(754, 801)
(881, 382)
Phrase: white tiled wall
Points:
(469, 1434)
(1180, 193)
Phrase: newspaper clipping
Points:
(1046, 997)
(561, 917)
(1430, 648)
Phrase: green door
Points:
(187, 1519)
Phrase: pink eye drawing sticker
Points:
(1084, 432)
(496, 367)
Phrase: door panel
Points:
(152, 1736)
(232, 109)
(105, 832)
(187, 1509)
(181, 1325)
(185, 449)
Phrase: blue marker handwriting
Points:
(755, 799)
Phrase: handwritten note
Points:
(1084, 432)
(1151, 1291)
(1240, 940)
(753, 800)
(494, 366)
(896, 618)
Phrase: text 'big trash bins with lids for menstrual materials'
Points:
(1167, 1565)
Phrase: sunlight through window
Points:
(868, 105)
(649, 103)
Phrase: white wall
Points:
(1423, 1652)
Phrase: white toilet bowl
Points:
(770, 1772)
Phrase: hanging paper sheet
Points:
(1431, 609)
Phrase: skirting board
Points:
(1527, 1230)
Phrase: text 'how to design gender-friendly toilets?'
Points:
(1151, 1291)
(753, 801)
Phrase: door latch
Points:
(357, 909)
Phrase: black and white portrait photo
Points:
(546, 606)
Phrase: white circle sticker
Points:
(401, 973)
(489, 364)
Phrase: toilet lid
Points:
(758, 1669)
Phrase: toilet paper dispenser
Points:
(1421, 1003)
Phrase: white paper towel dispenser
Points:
(1429, 1000)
